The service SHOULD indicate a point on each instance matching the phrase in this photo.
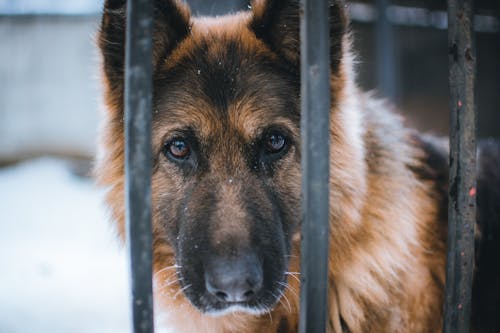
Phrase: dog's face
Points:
(227, 170)
(226, 149)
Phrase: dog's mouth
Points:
(236, 296)
(218, 284)
(261, 303)
(238, 308)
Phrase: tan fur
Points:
(386, 270)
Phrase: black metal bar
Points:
(315, 90)
(386, 60)
(462, 199)
(138, 96)
(219, 7)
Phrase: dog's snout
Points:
(234, 280)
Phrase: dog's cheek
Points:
(287, 187)
(191, 252)
(169, 193)
(268, 235)
(270, 241)
(193, 239)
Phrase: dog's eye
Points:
(177, 149)
(275, 142)
(273, 145)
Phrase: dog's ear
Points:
(171, 26)
(277, 23)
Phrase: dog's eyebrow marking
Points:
(171, 118)
(251, 123)
(247, 117)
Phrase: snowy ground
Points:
(61, 269)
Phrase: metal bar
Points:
(462, 199)
(138, 103)
(219, 7)
(386, 60)
(315, 90)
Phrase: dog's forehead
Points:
(222, 78)
(226, 24)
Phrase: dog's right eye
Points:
(177, 149)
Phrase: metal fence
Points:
(462, 196)
(138, 114)
(315, 113)
(315, 82)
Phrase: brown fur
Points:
(388, 230)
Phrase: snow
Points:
(50, 6)
(61, 267)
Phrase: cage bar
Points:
(138, 166)
(462, 196)
(315, 90)
(386, 51)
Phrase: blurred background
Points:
(61, 269)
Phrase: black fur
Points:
(486, 289)
(279, 27)
(233, 74)
(170, 28)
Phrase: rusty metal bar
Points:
(138, 103)
(315, 90)
(462, 197)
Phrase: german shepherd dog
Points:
(226, 181)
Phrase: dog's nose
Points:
(234, 280)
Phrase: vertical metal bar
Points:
(219, 7)
(462, 199)
(315, 90)
(138, 96)
(386, 73)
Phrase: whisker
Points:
(169, 283)
(294, 275)
(186, 287)
(280, 300)
(167, 268)
(169, 279)
(283, 296)
(289, 287)
(270, 316)
(293, 291)
(267, 309)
